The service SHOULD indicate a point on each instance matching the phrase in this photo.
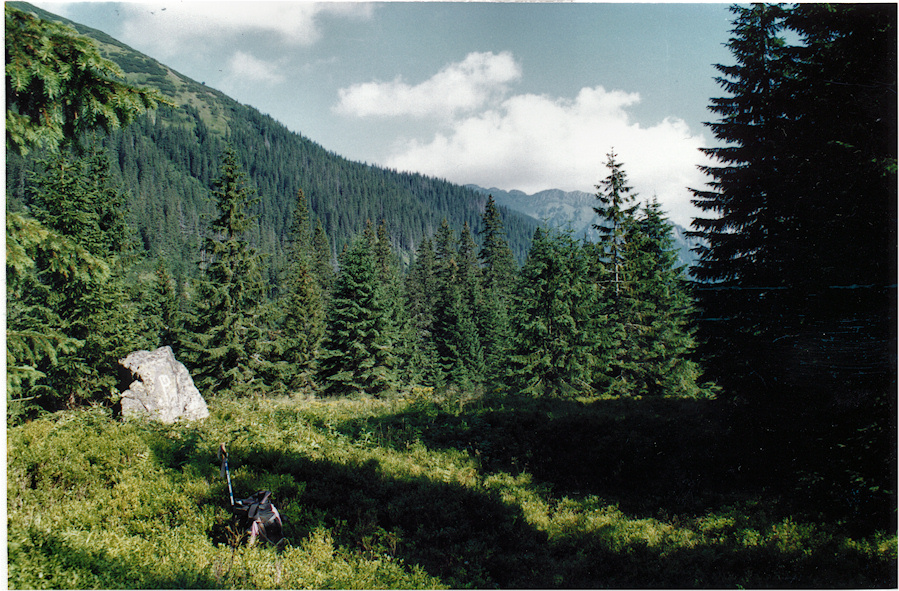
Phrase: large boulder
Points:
(162, 388)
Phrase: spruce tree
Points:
(303, 324)
(74, 198)
(66, 282)
(357, 353)
(744, 197)
(321, 262)
(555, 349)
(421, 291)
(455, 334)
(39, 262)
(612, 269)
(58, 86)
(398, 319)
(164, 307)
(615, 215)
(495, 254)
(225, 347)
(662, 312)
(499, 274)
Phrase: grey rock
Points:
(162, 388)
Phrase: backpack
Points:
(259, 517)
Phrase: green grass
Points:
(405, 493)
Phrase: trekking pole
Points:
(223, 456)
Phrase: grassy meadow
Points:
(411, 493)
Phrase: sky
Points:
(518, 96)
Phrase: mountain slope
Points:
(574, 210)
(168, 160)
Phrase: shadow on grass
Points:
(471, 537)
(662, 456)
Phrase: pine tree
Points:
(224, 348)
(357, 354)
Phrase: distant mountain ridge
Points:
(574, 210)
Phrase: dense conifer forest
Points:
(440, 392)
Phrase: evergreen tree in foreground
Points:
(225, 348)
(555, 349)
(58, 86)
(498, 273)
(660, 312)
(357, 353)
(421, 302)
(304, 315)
(74, 198)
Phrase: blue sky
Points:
(526, 96)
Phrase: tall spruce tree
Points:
(399, 322)
(455, 333)
(499, 274)
(661, 312)
(58, 88)
(495, 254)
(612, 269)
(421, 296)
(615, 215)
(74, 198)
(803, 201)
(303, 324)
(321, 263)
(358, 350)
(225, 346)
(742, 257)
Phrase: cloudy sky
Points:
(526, 96)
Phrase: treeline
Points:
(579, 318)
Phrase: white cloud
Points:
(174, 27)
(459, 87)
(532, 143)
(245, 68)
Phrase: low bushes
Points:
(405, 494)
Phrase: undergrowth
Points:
(405, 493)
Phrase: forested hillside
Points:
(167, 160)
